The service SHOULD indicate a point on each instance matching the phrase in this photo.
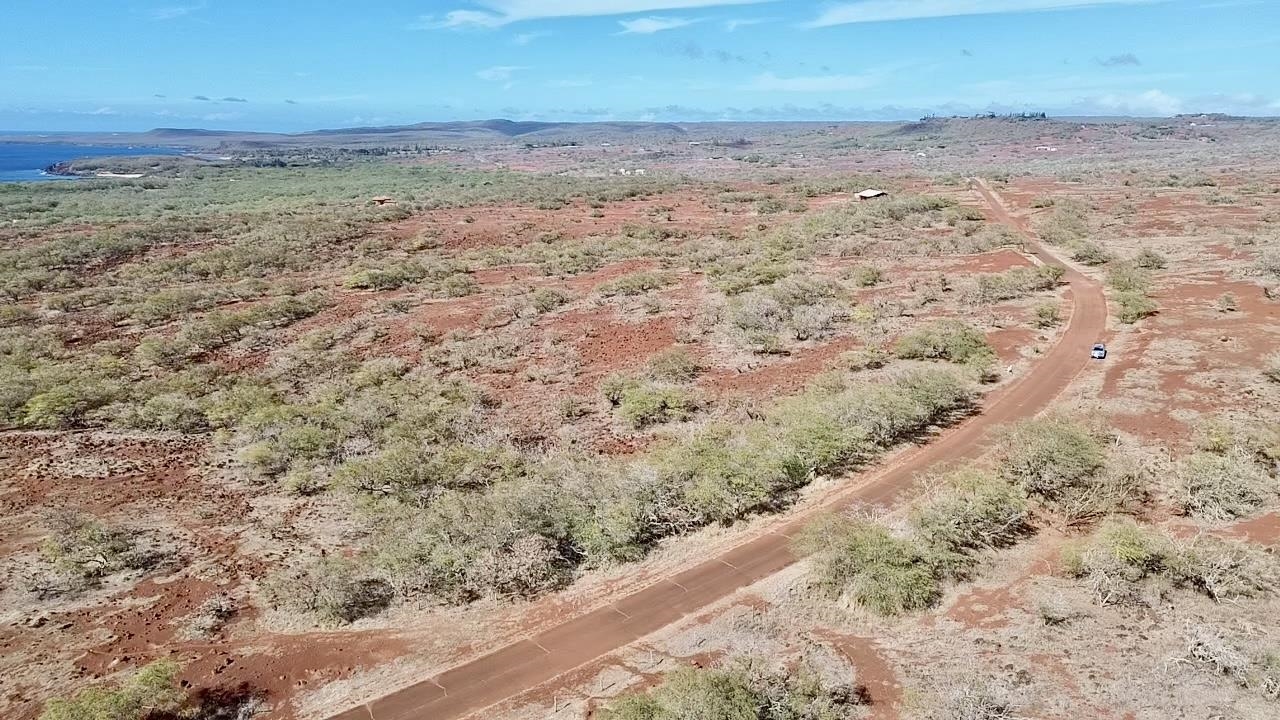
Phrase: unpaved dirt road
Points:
(523, 665)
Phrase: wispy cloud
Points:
(526, 38)
(173, 12)
(813, 83)
(732, 25)
(202, 98)
(290, 102)
(650, 25)
(866, 11)
(499, 73)
(1119, 60)
(1150, 102)
(497, 13)
(234, 99)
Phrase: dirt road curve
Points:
(521, 666)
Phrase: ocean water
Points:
(25, 162)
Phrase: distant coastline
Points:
(37, 162)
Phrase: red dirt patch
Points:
(873, 673)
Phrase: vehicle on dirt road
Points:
(1099, 352)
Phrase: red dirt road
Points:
(523, 665)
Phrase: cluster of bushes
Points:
(460, 518)
(151, 692)
(1231, 475)
(218, 329)
(1015, 283)
(80, 551)
(1120, 555)
(1067, 466)
(65, 262)
(635, 284)
(272, 191)
(1067, 224)
(46, 385)
(169, 303)
(891, 574)
(1243, 662)
(640, 402)
(951, 340)
(660, 395)
(376, 429)
(1131, 291)
(740, 691)
(440, 279)
(794, 309)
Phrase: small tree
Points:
(151, 691)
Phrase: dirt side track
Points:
(525, 664)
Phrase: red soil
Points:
(873, 673)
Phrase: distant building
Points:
(872, 194)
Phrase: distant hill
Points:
(503, 132)
(476, 132)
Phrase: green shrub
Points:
(635, 284)
(645, 404)
(1128, 277)
(1225, 570)
(546, 299)
(883, 573)
(387, 276)
(79, 551)
(676, 365)
(1132, 307)
(867, 276)
(1224, 486)
(1048, 315)
(1066, 224)
(1149, 259)
(771, 206)
(151, 692)
(868, 358)
(952, 340)
(1121, 553)
(1058, 461)
(1116, 557)
(734, 276)
(335, 590)
(641, 403)
(1014, 283)
(1089, 253)
(971, 511)
(743, 691)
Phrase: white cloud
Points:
(504, 12)
(173, 12)
(731, 25)
(458, 19)
(1150, 102)
(650, 25)
(813, 83)
(499, 73)
(526, 38)
(867, 11)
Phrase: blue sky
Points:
(264, 64)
